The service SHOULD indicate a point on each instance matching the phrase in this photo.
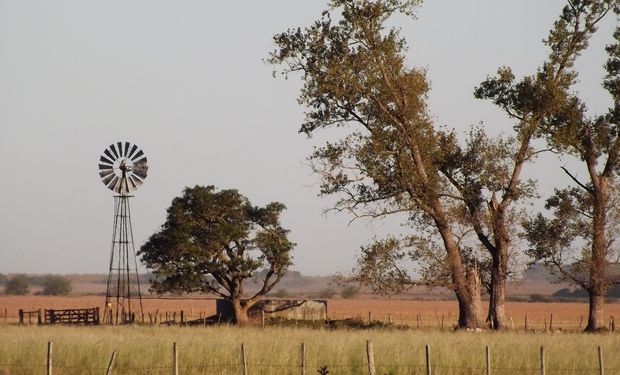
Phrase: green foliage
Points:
(17, 285)
(282, 293)
(350, 291)
(54, 285)
(327, 293)
(214, 240)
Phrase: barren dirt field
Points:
(419, 314)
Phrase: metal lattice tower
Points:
(122, 168)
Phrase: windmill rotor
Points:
(123, 167)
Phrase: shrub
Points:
(282, 293)
(327, 293)
(17, 285)
(56, 286)
(350, 292)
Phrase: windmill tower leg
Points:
(123, 270)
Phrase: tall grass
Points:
(216, 350)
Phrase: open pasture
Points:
(217, 350)
(416, 314)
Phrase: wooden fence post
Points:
(49, 358)
(244, 362)
(551, 323)
(39, 322)
(512, 323)
(175, 359)
(526, 327)
(428, 360)
(371, 358)
(600, 361)
(20, 313)
(542, 360)
(488, 360)
(5, 314)
(303, 359)
(370, 317)
(262, 318)
(108, 371)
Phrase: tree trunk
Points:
(499, 265)
(595, 310)
(598, 282)
(466, 285)
(470, 304)
(499, 270)
(241, 312)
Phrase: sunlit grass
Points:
(216, 350)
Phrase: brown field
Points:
(420, 314)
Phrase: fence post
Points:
(371, 359)
(39, 317)
(244, 362)
(262, 318)
(370, 317)
(428, 360)
(49, 358)
(526, 327)
(551, 323)
(600, 361)
(542, 360)
(512, 323)
(20, 313)
(5, 314)
(175, 359)
(488, 360)
(108, 371)
(303, 359)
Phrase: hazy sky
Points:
(185, 81)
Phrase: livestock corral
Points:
(408, 340)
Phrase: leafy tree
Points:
(3, 279)
(492, 186)
(391, 160)
(350, 291)
(54, 285)
(282, 293)
(327, 293)
(17, 285)
(595, 140)
(212, 241)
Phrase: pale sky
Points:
(186, 81)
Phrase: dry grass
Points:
(422, 314)
(148, 350)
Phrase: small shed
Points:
(281, 308)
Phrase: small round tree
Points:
(54, 285)
(17, 285)
(214, 240)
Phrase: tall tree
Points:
(530, 102)
(355, 76)
(596, 142)
(212, 241)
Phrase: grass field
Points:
(148, 350)
(566, 316)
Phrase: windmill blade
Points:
(105, 172)
(105, 166)
(137, 156)
(112, 183)
(116, 156)
(106, 180)
(133, 149)
(119, 145)
(126, 148)
(103, 159)
(135, 180)
(132, 185)
(109, 155)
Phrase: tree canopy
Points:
(214, 240)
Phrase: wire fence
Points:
(304, 367)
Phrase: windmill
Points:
(122, 168)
